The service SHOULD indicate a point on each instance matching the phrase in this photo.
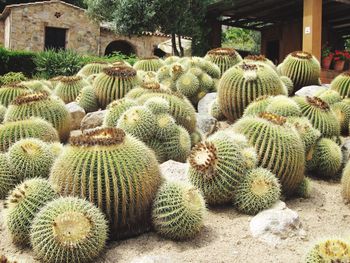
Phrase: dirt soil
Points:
(226, 236)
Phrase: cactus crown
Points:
(274, 118)
(70, 79)
(14, 86)
(346, 74)
(71, 227)
(223, 52)
(317, 102)
(102, 136)
(256, 58)
(177, 68)
(248, 67)
(301, 55)
(260, 186)
(151, 85)
(333, 249)
(27, 98)
(203, 157)
(16, 195)
(120, 71)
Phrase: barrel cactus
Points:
(342, 84)
(215, 111)
(258, 106)
(259, 190)
(283, 106)
(68, 230)
(8, 179)
(288, 83)
(149, 64)
(320, 115)
(329, 250)
(115, 109)
(87, 99)
(188, 84)
(178, 211)
(345, 182)
(224, 58)
(260, 59)
(113, 170)
(69, 88)
(113, 83)
(3, 110)
(342, 112)
(302, 68)
(280, 148)
(9, 92)
(244, 83)
(92, 68)
(43, 106)
(30, 158)
(329, 96)
(55, 80)
(216, 168)
(36, 86)
(157, 105)
(11, 132)
(23, 203)
(178, 144)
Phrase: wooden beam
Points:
(312, 27)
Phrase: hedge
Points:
(17, 61)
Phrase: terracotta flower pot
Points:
(326, 62)
(339, 65)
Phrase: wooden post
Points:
(312, 27)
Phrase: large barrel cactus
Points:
(149, 64)
(69, 88)
(93, 68)
(43, 106)
(87, 99)
(224, 58)
(279, 147)
(342, 84)
(9, 92)
(244, 83)
(302, 68)
(115, 171)
(260, 59)
(113, 83)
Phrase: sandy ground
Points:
(226, 236)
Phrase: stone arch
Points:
(123, 46)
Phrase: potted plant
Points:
(327, 57)
(340, 58)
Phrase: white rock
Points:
(345, 148)
(205, 102)
(77, 114)
(276, 224)
(310, 90)
(152, 259)
(93, 119)
(174, 171)
(206, 124)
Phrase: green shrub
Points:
(17, 61)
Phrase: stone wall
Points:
(2, 33)
(28, 27)
(143, 45)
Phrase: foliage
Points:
(16, 61)
(326, 51)
(12, 77)
(347, 44)
(242, 39)
(341, 55)
(4, 3)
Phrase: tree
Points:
(4, 3)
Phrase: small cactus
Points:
(288, 83)
(342, 84)
(87, 99)
(224, 58)
(69, 88)
(157, 105)
(345, 182)
(92, 68)
(149, 64)
(187, 84)
(8, 179)
(115, 109)
(178, 145)
(178, 211)
(165, 126)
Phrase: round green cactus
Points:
(280, 148)
(176, 70)
(259, 190)
(8, 179)
(23, 203)
(68, 230)
(157, 105)
(196, 137)
(212, 69)
(215, 111)
(325, 159)
(113, 83)
(9, 92)
(163, 73)
(342, 84)
(283, 106)
(187, 84)
(178, 144)
(288, 83)
(36, 86)
(329, 96)
(56, 148)
(11, 132)
(302, 68)
(171, 59)
(30, 158)
(320, 115)
(165, 126)
(139, 122)
(92, 68)
(3, 110)
(158, 147)
(87, 99)
(51, 109)
(244, 83)
(224, 58)
(115, 109)
(206, 83)
(342, 112)
(149, 64)
(115, 171)
(330, 250)
(55, 80)
(217, 166)
(178, 211)
(69, 88)
(260, 59)
(308, 134)
(345, 182)
(258, 106)
(304, 189)
(250, 156)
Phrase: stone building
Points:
(56, 24)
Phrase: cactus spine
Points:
(224, 58)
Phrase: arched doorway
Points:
(158, 52)
(121, 46)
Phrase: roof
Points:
(8, 8)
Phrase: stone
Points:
(310, 90)
(152, 259)
(345, 148)
(274, 225)
(77, 114)
(93, 120)
(205, 102)
(174, 171)
(206, 124)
